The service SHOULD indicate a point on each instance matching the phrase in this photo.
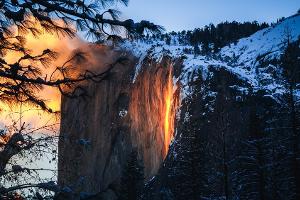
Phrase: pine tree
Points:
(168, 40)
(132, 180)
(196, 50)
(188, 172)
(222, 121)
(251, 176)
(22, 80)
(290, 62)
(205, 47)
(291, 68)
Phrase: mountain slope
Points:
(247, 58)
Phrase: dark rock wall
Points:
(93, 144)
(99, 130)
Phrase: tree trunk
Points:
(295, 140)
(225, 168)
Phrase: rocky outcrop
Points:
(117, 115)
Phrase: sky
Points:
(177, 15)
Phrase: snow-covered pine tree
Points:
(187, 174)
(290, 62)
(251, 173)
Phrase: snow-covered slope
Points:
(243, 58)
(270, 42)
(264, 45)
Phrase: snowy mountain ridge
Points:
(244, 58)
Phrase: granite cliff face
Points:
(118, 115)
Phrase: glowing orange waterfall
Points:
(169, 116)
(153, 105)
